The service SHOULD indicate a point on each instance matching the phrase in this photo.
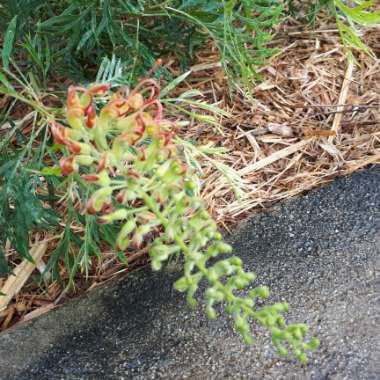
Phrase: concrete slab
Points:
(320, 252)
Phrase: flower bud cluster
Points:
(140, 181)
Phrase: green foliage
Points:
(22, 204)
(76, 35)
(348, 18)
(139, 180)
(21, 208)
(73, 33)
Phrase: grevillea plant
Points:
(119, 142)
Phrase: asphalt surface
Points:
(320, 252)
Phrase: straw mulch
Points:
(314, 116)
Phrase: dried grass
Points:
(326, 113)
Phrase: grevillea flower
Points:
(139, 180)
(135, 114)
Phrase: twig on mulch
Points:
(343, 98)
(21, 274)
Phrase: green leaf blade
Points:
(9, 39)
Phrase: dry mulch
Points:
(314, 116)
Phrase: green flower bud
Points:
(98, 199)
(84, 160)
(104, 179)
(297, 334)
(128, 227)
(156, 264)
(240, 283)
(211, 313)
(282, 350)
(161, 252)
(75, 117)
(85, 149)
(241, 324)
(249, 276)
(181, 285)
(277, 334)
(120, 214)
(212, 251)
(249, 303)
(224, 248)
(234, 260)
(300, 355)
(263, 292)
(74, 134)
(190, 296)
(280, 321)
(204, 215)
(314, 343)
(248, 340)
(122, 242)
(191, 186)
(214, 294)
(212, 276)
